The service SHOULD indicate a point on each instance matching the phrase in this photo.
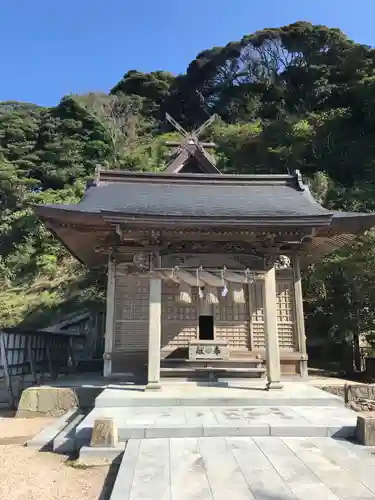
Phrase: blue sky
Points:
(51, 48)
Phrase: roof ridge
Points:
(111, 176)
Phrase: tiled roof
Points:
(199, 196)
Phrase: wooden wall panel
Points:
(235, 332)
(232, 323)
(285, 314)
(180, 321)
(131, 313)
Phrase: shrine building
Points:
(204, 269)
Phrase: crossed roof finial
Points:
(194, 134)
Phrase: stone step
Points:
(219, 430)
(214, 363)
(241, 430)
(215, 369)
(65, 441)
(214, 394)
(212, 370)
(117, 401)
(175, 422)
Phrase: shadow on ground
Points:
(7, 413)
(109, 482)
(229, 385)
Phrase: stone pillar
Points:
(110, 317)
(299, 316)
(154, 334)
(270, 324)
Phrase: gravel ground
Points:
(29, 475)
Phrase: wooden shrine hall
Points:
(204, 269)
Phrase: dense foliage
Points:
(299, 96)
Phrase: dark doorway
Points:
(206, 328)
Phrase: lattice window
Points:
(131, 336)
(174, 311)
(257, 314)
(227, 310)
(132, 299)
(285, 313)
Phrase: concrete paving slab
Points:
(261, 415)
(337, 479)
(298, 430)
(263, 480)
(152, 475)
(188, 473)
(296, 474)
(348, 458)
(269, 468)
(125, 477)
(200, 416)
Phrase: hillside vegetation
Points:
(299, 96)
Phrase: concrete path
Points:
(242, 468)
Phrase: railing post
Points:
(71, 353)
(49, 357)
(31, 358)
(7, 374)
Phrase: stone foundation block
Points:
(101, 456)
(54, 401)
(365, 431)
(104, 433)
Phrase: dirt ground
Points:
(26, 474)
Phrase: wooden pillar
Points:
(154, 334)
(270, 324)
(110, 318)
(299, 316)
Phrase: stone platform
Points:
(238, 408)
(234, 409)
(220, 441)
(244, 468)
(234, 393)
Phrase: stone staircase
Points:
(127, 415)
(204, 410)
